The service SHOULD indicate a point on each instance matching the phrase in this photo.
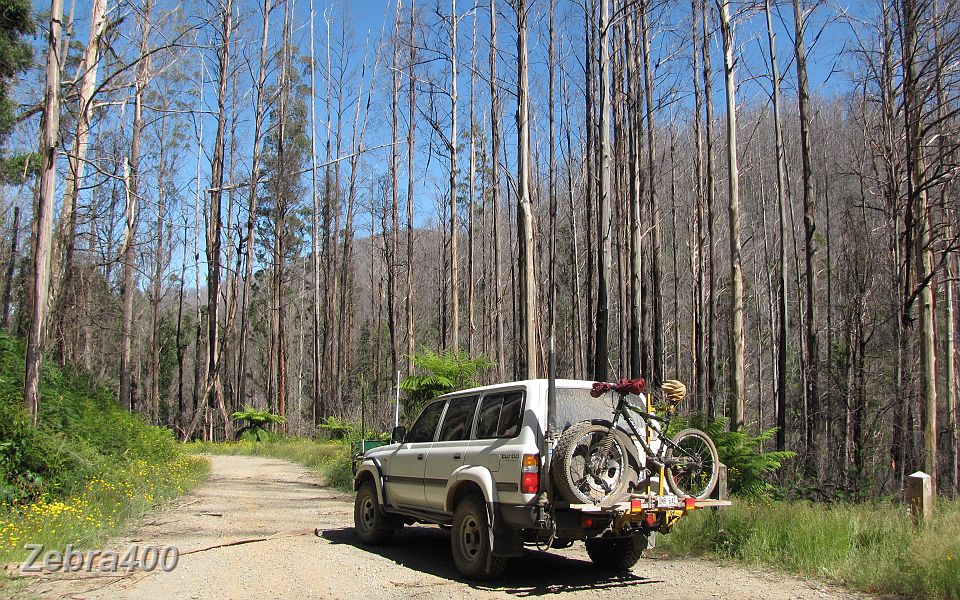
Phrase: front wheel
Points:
(693, 464)
(369, 522)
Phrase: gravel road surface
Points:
(314, 554)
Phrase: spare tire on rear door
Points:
(592, 465)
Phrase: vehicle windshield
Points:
(576, 404)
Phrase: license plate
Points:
(668, 501)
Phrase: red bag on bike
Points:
(626, 386)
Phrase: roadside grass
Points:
(86, 470)
(869, 547)
(331, 460)
(101, 509)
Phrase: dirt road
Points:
(247, 498)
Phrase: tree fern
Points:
(748, 466)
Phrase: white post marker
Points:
(396, 415)
(920, 494)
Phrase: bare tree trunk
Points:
(919, 234)
(525, 233)
(711, 219)
(393, 246)
(67, 228)
(600, 359)
(809, 226)
(655, 267)
(495, 187)
(454, 256)
(411, 128)
(260, 92)
(43, 219)
(633, 136)
(181, 347)
(699, 367)
(951, 376)
(316, 401)
(782, 331)
(157, 291)
(579, 357)
(471, 189)
(737, 382)
(11, 269)
(214, 242)
(130, 239)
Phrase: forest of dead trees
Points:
(277, 202)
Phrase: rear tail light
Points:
(530, 474)
(689, 503)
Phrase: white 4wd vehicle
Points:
(478, 461)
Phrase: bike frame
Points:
(623, 409)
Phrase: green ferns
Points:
(742, 453)
(257, 423)
(446, 372)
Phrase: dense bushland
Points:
(85, 469)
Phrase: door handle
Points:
(419, 457)
(457, 456)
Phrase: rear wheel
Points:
(616, 553)
(694, 465)
(584, 472)
(470, 541)
(369, 522)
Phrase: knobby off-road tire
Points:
(698, 483)
(616, 554)
(572, 457)
(470, 541)
(369, 522)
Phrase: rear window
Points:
(500, 415)
(576, 404)
(459, 418)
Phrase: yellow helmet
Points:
(674, 391)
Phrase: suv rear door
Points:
(447, 453)
(405, 471)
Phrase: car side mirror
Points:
(398, 434)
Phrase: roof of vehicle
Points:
(561, 383)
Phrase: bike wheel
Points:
(581, 475)
(693, 464)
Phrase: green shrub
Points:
(747, 464)
(257, 423)
(444, 372)
(870, 547)
(86, 468)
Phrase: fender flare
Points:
(503, 541)
(372, 467)
(480, 476)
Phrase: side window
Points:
(489, 416)
(456, 425)
(510, 415)
(426, 425)
(500, 415)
